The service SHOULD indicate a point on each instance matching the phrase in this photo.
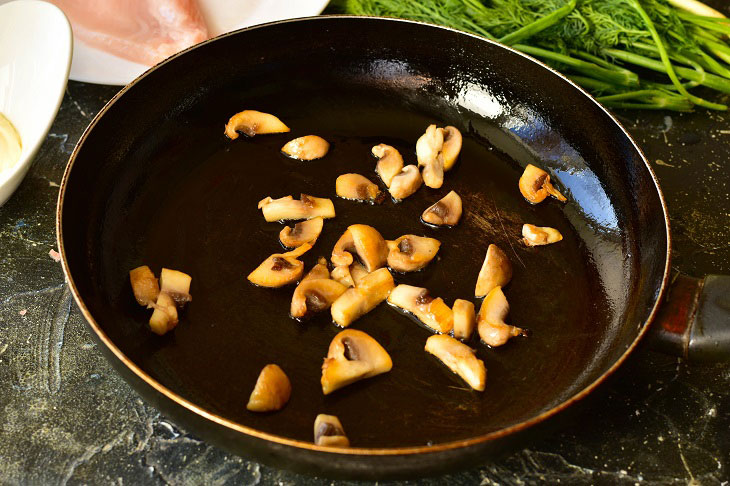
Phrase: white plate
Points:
(94, 66)
(35, 55)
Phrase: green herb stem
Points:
(539, 25)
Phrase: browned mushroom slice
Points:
(460, 359)
(451, 147)
(272, 390)
(496, 271)
(539, 235)
(164, 318)
(286, 208)
(328, 431)
(358, 301)
(428, 152)
(353, 356)
(350, 276)
(490, 320)
(280, 268)
(315, 295)
(366, 242)
(309, 147)
(318, 271)
(405, 183)
(390, 162)
(144, 285)
(464, 319)
(432, 312)
(535, 185)
(410, 253)
(356, 187)
(176, 284)
(303, 232)
(251, 122)
(446, 212)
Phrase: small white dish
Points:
(92, 65)
(35, 57)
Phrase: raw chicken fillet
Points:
(143, 31)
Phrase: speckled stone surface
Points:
(67, 418)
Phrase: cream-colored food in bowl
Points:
(10, 144)
(35, 56)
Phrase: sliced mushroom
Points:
(144, 285)
(366, 242)
(280, 268)
(286, 208)
(490, 320)
(315, 295)
(328, 431)
(451, 147)
(309, 147)
(405, 183)
(251, 122)
(318, 271)
(356, 187)
(410, 253)
(464, 319)
(164, 318)
(539, 235)
(460, 359)
(358, 301)
(446, 212)
(272, 390)
(496, 271)
(390, 163)
(304, 232)
(176, 284)
(432, 312)
(353, 356)
(535, 185)
(350, 276)
(428, 152)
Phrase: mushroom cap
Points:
(496, 271)
(356, 187)
(464, 319)
(372, 289)
(445, 212)
(252, 122)
(366, 242)
(280, 269)
(405, 183)
(459, 358)
(535, 185)
(490, 321)
(451, 146)
(272, 390)
(353, 355)
(328, 431)
(144, 285)
(318, 271)
(287, 208)
(315, 295)
(410, 253)
(390, 162)
(539, 235)
(432, 312)
(309, 147)
(306, 231)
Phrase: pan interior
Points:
(157, 183)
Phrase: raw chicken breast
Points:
(143, 31)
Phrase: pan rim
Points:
(355, 451)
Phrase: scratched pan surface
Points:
(154, 181)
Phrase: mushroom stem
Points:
(539, 235)
(496, 271)
(460, 359)
(490, 320)
(252, 122)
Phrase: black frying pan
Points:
(155, 181)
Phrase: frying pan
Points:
(154, 181)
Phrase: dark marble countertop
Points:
(67, 418)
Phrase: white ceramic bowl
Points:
(35, 56)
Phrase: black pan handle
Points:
(694, 320)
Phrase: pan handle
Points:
(694, 320)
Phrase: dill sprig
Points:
(610, 47)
